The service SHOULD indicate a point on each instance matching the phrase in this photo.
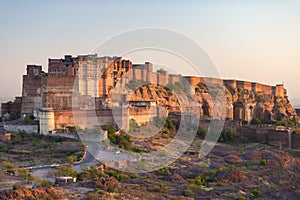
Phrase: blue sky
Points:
(249, 40)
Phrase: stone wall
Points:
(231, 83)
(59, 92)
(264, 89)
(174, 79)
(193, 81)
(65, 118)
(137, 74)
(46, 120)
(279, 90)
(142, 115)
(62, 67)
(152, 78)
(84, 118)
(34, 83)
(17, 128)
(10, 107)
(269, 137)
(163, 78)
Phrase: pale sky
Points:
(255, 40)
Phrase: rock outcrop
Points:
(242, 103)
(42, 193)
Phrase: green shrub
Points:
(166, 132)
(7, 165)
(163, 172)
(117, 175)
(71, 159)
(255, 192)
(281, 123)
(204, 116)
(201, 180)
(169, 124)
(138, 150)
(122, 140)
(66, 171)
(17, 186)
(72, 129)
(14, 116)
(57, 140)
(178, 86)
(109, 128)
(135, 84)
(201, 132)
(227, 135)
(263, 162)
(26, 120)
(39, 183)
(133, 126)
(169, 93)
(256, 121)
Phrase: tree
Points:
(7, 165)
(72, 129)
(84, 176)
(40, 183)
(256, 121)
(31, 177)
(178, 86)
(17, 186)
(201, 132)
(255, 192)
(26, 120)
(281, 123)
(65, 171)
(133, 126)
(161, 70)
(71, 159)
(31, 117)
(109, 128)
(135, 84)
(122, 140)
(169, 124)
(23, 173)
(227, 135)
(14, 115)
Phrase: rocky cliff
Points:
(244, 100)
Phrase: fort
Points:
(84, 86)
(258, 88)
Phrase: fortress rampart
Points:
(87, 82)
(259, 88)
